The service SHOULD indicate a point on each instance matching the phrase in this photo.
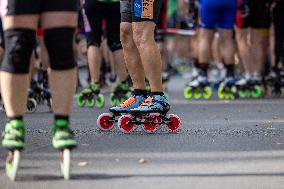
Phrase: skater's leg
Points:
(15, 71)
(204, 49)
(113, 39)
(93, 14)
(143, 35)
(59, 30)
(227, 49)
(132, 57)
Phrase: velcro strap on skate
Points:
(148, 102)
(128, 102)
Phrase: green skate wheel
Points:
(231, 96)
(243, 93)
(100, 102)
(112, 100)
(12, 164)
(90, 102)
(80, 101)
(257, 92)
(207, 92)
(221, 94)
(187, 93)
(197, 94)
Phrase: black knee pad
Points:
(114, 45)
(19, 45)
(59, 44)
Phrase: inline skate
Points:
(106, 121)
(197, 88)
(227, 89)
(91, 96)
(120, 94)
(151, 114)
(63, 140)
(13, 140)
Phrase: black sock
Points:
(230, 70)
(15, 118)
(61, 117)
(157, 93)
(140, 92)
(203, 67)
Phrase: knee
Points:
(126, 36)
(19, 44)
(142, 37)
(59, 44)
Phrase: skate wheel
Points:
(175, 122)
(12, 164)
(124, 124)
(243, 93)
(221, 94)
(207, 93)
(100, 102)
(90, 102)
(257, 92)
(187, 93)
(80, 101)
(112, 100)
(104, 122)
(65, 163)
(152, 127)
(31, 105)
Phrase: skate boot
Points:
(151, 114)
(91, 96)
(13, 139)
(106, 121)
(197, 88)
(227, 89)
(63, 140)
(256, 86)
(243, 87)
(120, 94)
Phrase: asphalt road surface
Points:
(236, 145)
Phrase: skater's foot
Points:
(62, 136)
(95, 87)
(200, 81)
(14, 135)
(133, 102)
(153, 104)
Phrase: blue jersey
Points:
(218, 13)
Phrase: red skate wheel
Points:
(124, 124)
(104, 122)
(150, 128)
(175, 122)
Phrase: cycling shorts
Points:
(35, 7)
(140, 10)
(218, 13)
(257, 17)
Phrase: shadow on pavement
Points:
(77, 177)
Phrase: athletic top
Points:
(172, 7)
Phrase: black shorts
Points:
(35, 7)
(140, 10)
(259, 15)
(94, 12)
